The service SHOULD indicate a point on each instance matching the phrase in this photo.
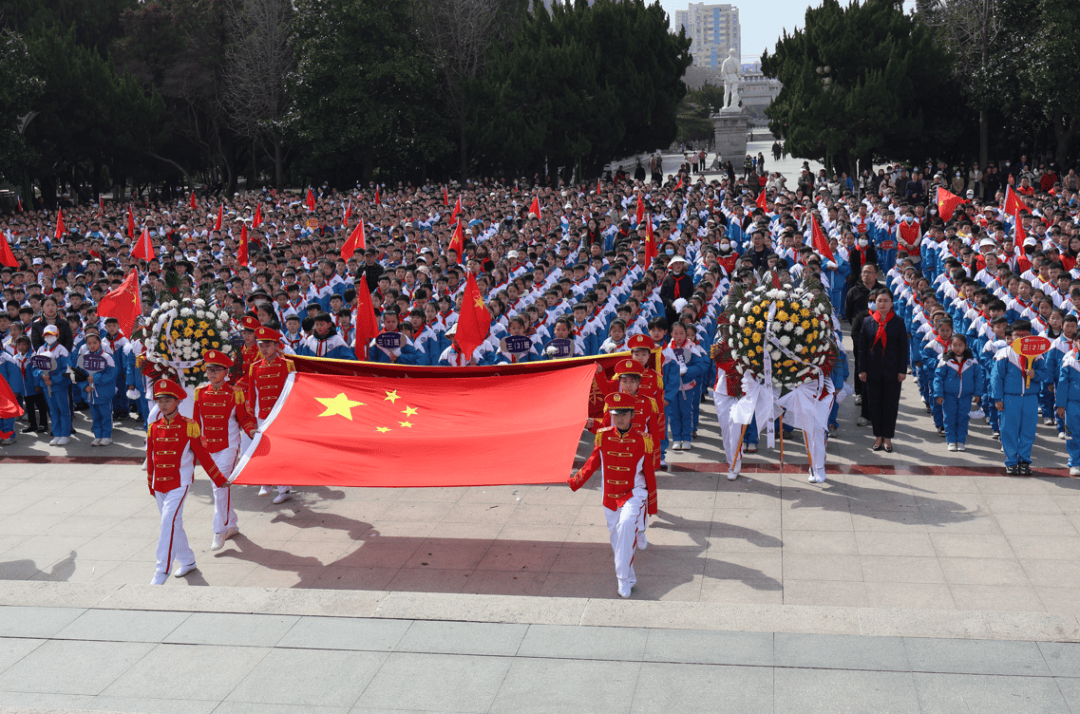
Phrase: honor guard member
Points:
(266, 378)
(172, 447)
(663, 386)
(623, 455)
(249, 351)
(221, 411)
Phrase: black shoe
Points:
(1013, 470)
(888, 449)
(878, 447)
(1025, 468)
(28, 429)
(42, 429)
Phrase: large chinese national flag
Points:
(123, 303)
(333, 430)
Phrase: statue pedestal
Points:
(731, 125)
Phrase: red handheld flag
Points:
(242, 251)
(131, 224)
(367, 326)
(821, 243)
(947, 202)
(310, 200)
(1021, 235)
(640, 207)
(9, 405)
(377, 201)
(457, 243)
(7, 257)
(474, 322)
(123, 302)
(20, 204)
(598, 186)
(445, 197)
(143, 249)
(1013, 203)
(457, 209)
(761, 199)
(348, 214)
(194, 203)
(59, 224)
(679, 185)
(257, 220)
(356, 241)
(100, 205)
(650, 243)
(535, 207)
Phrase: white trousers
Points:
(731, 432)
(624, 525)
(224, 515)
(173, 542)
(815, 450)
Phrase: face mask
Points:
(933, 211)
(725, 247)
(50, 339)
(669, 251)
(909, 219)
(870, 306)
(863, 242)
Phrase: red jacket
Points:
(622, 457)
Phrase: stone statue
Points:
(729, 70)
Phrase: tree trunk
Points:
(984, 140)
(1063, 132)
(464, 154)
(48, 192)
(279, 165)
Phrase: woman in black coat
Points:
(883, 348)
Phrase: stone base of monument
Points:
(731, 125)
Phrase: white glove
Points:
(682, 369)
(550, 351)
(131, 393)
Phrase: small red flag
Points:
(650, 244)
(131, 224)
(194, 204)
(367, 326)
(20, 204)
(257, 220)
(598, 185)
(679, 185)
(242, 251)
(474, 322)
(821, 243)
(761, 198)
(457, 243)
(356, 241)
(1021, 235)
(59, 224)
(123, 302)
(377, 201)
(535, 207)
(310, 200)
(7, 257)
(947, 202)
(9, 405)
(220, 215)
(348, 214)
(143, 249)
(100, 205)
(640, 207)
(445, 197)
(1013, 203)
(457, 209)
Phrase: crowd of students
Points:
(576, 270)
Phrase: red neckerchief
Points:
(678, 290)
(882, 322)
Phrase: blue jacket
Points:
(959, 379)
(407, 354)
(58, 376)
(1007, 379)
(104, 381)
(1068, 381)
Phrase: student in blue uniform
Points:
(957, 379)
(405, 354)
(55, 384)
(692, 365)
(1015, 391)
(10, 373)
(100, 389)
(325, 341)
(1067, 400)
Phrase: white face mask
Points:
(909, 219)
(863, 242)
(50, 339)
(725, 247)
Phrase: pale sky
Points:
(763, 21)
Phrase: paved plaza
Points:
(922, 580)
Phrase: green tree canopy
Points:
(863, 83)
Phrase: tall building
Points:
(757, 91)
(713, 30)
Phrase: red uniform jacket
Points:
(214, 410)
(172, 447)
(265, 382)
(621, 457)
(645, 418)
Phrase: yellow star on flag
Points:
(382, 429)
(392, 397)
(340, 405)
(409, 411)
(405, 424)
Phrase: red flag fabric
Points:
(310, 200)
(220, 215)
(377, 201)
(123, 302)
(9, 405)
(367, 326)
(100, 205)
(650, 244)
(457, 243)
(242, 251)
(256, 220)
(194, 203)
(640, 207)
(535, 207)
(430, 431)
(131, 224)
(947, 201)
(143, 249)
(445, 197)
(761, 198)
(1021, 235)
(820, 240)
(679, 185)
(59, 224)
(1013, 203)
(356, 241)
(7, 257)
(457, 209)
(598, 185)
(348, 214)
(20, 204)
(474, 322)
